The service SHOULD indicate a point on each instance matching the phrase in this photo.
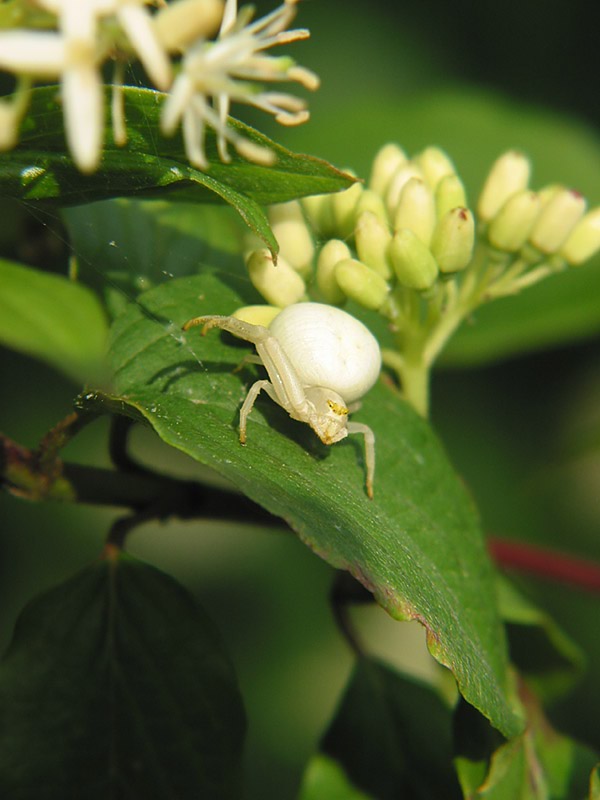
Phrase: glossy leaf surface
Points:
(149, 165)
(417, 546)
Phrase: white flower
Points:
(74, 54)
(213, 74)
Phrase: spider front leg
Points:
(359, 427)
(249, 401)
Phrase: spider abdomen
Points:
(328, 348)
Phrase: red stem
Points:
(548, 564)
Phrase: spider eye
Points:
(341, 411)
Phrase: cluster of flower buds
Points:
(406, 230)
(536, 225)
(409, 232)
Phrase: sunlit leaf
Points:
(116, 685)
(150, 165)
(417, 546)
(52, 318)
(324, 777)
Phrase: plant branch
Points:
(546, 564)
(141, 490)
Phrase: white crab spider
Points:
(320, 361)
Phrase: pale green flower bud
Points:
(450, 193)
(386, 162)
(319, 210)
(584, 241)
(557, 220)
(361, 284)
(453, 240)
(399, 180)
(435, 165)
(413, 263)
(510, 228)
(509, 175)
(548, 192)
(372, 202)
(280, 285)
(372, 238)
(330, 256)
(257, 315)
(295, 242)
(178, 24)
(415, 210)
(344, 209)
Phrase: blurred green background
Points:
(524, 430)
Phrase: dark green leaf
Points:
(116, 685)
(52, 318)
(539, 764)
(125, 247)
(538, 647)
(417, 546)
(149, 165)
(392, 737)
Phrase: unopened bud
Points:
(386, 162)
(584, 241)
(280, 285)
(372, 238)
(344, 209)
(178, 24)
(557, 220)
(257, 315)
(510, 228)
(415, 210)
(435, 165)
(413, 263)
(319, 210)
(453, 240)
(399, 180)
(508, 175)
(361, 284)
(372, 202)
(330, 256)
(295, 242)
(450, 193)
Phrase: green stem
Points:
(414, 377)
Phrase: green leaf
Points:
(124, 247)
(52, 318)
(538, 647)
(391, 736)
(325, 778)
(116, 685)
(149, 165)
(595, 783)
(539, 764)
(417, 547)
